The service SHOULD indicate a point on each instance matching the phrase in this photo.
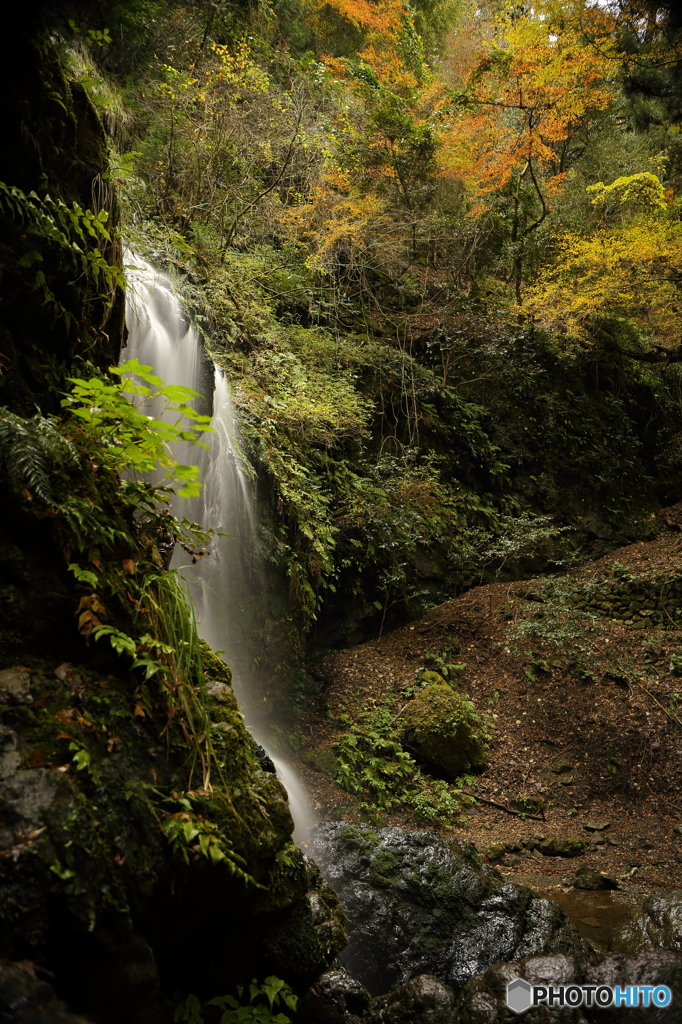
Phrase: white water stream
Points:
(224, 583)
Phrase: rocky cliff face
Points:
(122, 870)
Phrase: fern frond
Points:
(30, 450)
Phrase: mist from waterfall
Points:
(228, 584)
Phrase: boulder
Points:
(592, 878)
(484, 998)
(441, 727)
(421, 904)
(657, 924)
(15, 686)
(568, 846)
(336, 998)
(423, 1000)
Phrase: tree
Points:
(629, 267)
(524, 118)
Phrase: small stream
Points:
(596, 914)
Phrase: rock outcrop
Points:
(419, 904)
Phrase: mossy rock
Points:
(324, 761)
(442, 728)
(569, 846)
(527, 804)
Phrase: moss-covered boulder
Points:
(561, 846)
(441, 727)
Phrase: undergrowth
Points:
(374, 766)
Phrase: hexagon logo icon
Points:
(519, 995)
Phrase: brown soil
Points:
(601, 699)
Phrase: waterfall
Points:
(228, 585)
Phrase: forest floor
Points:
(585, 721)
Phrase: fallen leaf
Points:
(139, 711)
(128, 566)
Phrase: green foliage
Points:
(76, 233)
(32, 450)
(264, 1000)
(373, 765)
(417, 433)
(191, 834)
(131, 440)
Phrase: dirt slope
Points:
(581, 675)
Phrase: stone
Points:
(265, 762)
(421, 904)
(657, 924)
(29, 794)
(423, 1000)
(324, 761)
(10, 758)
(338, 984)
(527, 804)
(569, 846)
(591, 878)
(439, 728)
(561, 767)
(334, 998)
(15, 686)
(485, 999)
(500, 995)
(596, 826)
(220, 692)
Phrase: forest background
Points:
(437, 250)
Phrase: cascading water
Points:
(225, 584)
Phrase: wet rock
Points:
(336, 998)
(26, 999)
(15, 686)
(338, 984)
(569, 846)
(657, 968)
(592, 878)
(440, 728)
(265, 762)
(423, 1000)
(484, 998)
(420, 904)
(656, 925)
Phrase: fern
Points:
(78, 233)
(30, 450)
